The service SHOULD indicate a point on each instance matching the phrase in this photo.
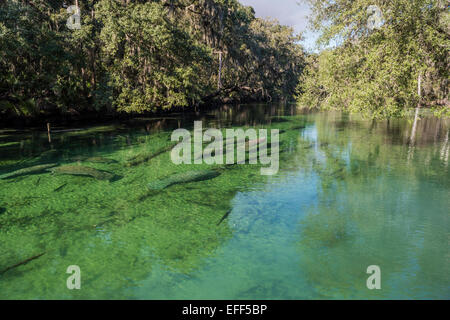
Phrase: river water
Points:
(350, 193)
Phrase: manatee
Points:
(144, 157)
(78, 158)
(283, 131)
(93, 159)
(185, 177)
(268, 147)
(101, 224)
(248, 143)
(236, 144)
(239, 143)
(83, 171)
(248, 149)
(50, 154)
(298, 127)
(276, 119)
(101, 160)
(28, 171)
(235, 141)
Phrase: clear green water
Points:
(350, 193)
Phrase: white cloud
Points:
(288, 12)
(293, 13)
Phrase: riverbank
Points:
(72, 118)
(75, 119)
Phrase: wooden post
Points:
(48, 132)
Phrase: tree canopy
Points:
(137, 56)
(376, 70)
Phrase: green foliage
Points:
(137, 56)
(30, 57)
(152, 63)
(376, 71)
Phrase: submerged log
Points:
(22, 263)
(60, 187)
(224, 217)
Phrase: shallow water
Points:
(350, 193)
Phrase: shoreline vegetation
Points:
(384, 71)
(140, 57)
(133, 57)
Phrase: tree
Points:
(376, 71)
(137, 56)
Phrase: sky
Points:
(289, 12)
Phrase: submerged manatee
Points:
(93, 159)
(28, 171)
(185, 177)
(84, 171)
(101, 160)
(50, 154)
(250, 145)
(144, 157)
